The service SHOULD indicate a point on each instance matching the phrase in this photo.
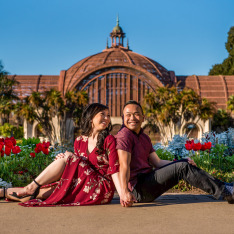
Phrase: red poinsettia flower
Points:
(42, 147)
(38, 148)
(208, 145)
(8, 143)
(13, 141)
(46, 144)
(2, 153)
(20, 172)
(189, 145)
(1, 145)
(16, 149)
(197, 146)
(33, 155)
(2, 140)
(7, 151)
(45, 151)
(203, 147)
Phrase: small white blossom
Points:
(94, 196)
(88, 171)
(97, 190)
(82, 164)
(86, 189)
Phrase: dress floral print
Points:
(86, 179)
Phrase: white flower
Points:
(99, 158)
(85, 138)
(107, 195)
(88, 171)
(97, 190)
(94, 196)
(76, 181)
(104, 201)
(78, 138)
(75, 204)
(86, 189)
(82, 164)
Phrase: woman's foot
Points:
(28, 190)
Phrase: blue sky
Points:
(47, 36)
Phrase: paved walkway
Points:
(171, 213)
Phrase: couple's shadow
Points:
(174, 199)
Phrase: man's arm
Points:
(156, 161)
(124, 175)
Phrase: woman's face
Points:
(101, 120)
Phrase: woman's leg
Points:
(51, 174)
(43, 193)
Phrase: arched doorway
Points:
(191, 130)
(39, 131)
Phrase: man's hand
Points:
(127, 199)
(190, 161)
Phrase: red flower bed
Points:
(190, 145)
(8, 146)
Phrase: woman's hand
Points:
(127, 199)
(63, 155)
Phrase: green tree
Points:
(230, 103)
(170, 109)
(50, 109)
(221, 121)
(8, 97)
(227, 67)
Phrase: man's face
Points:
(133, 117)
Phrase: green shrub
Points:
(7, 130)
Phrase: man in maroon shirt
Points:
(144, 176)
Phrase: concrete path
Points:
(171, 213)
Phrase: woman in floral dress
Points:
(83, 178)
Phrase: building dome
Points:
(116, 59)
(117, 29)
(115, 75)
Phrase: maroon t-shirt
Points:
(140, 147)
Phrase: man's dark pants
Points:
(153, 184)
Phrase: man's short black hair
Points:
(134, 103)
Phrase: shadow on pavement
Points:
(174, 199)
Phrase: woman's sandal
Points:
(32, 196)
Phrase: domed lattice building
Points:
(117, 75)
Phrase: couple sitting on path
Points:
(102, 163)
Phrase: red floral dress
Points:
(86, 179)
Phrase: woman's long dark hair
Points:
(86, 124)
